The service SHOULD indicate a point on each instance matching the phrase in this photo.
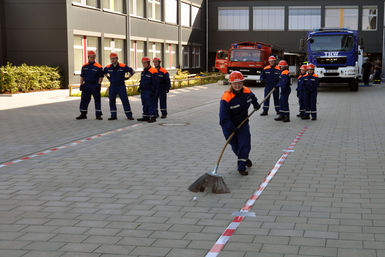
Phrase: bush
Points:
(26, 78)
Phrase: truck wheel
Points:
(353, 85)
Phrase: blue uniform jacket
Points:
(284, 80)
(149, 80)
(164, 79)
(311, 82)
(300, 86)
(270, 75)
(234, 108)
(117, 73)
(91, 72)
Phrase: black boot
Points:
(249, 163)
(279, 118)
(313, 118)
(112, 118)
(243, 172)
(130, 118)
(264, 113)
(299, 115)
(143, 119)
(305, 117)
(163, 116)
(152, 119)
(286, 119)
(99, 118)
(82, 116)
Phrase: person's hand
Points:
(257, 107)
(235, 130)
(168, 90)
(81, 87)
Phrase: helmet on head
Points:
(91, 53)
(146, 59)
(272, 58)
(282, 63)
(310, 66)
(236, 76)
(156, 59)
(113, 55)
(303, 67)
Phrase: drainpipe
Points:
(207, 35)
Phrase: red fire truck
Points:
(247, 57)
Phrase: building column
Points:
(180, 55)
(128, 32)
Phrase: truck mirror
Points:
(302, 44)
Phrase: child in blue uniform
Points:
(311, 83)
(234, 108)
(284, 86)
(301, 91)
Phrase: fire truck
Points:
(247, 57)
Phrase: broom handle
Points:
(239, 126)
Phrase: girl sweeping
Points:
(234, 108)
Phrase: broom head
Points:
(207, 180)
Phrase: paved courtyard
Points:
(125, 193)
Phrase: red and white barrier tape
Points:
(77, 142)
(229, 231)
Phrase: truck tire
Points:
(353, 85)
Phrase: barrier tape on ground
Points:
(74, 143)
(229, 231)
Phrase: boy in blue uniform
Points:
(311, 84)
(284, 85)
(269, 78)
(148, 87)
(116, 74)
(301, 91)
(164, 88)
(91, 78)
(234, 107)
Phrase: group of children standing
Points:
(307, 92)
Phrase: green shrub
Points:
(26, 78)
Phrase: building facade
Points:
(60, 33)
(284, 23)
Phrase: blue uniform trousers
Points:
(122, 92)
(311, 103)
(161, 98)
(241, 145)
(149, 103)
(266, 104)
(284, 102)
(301, 101)
(89, 90)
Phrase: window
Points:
(171, 11)
(113, 46)
(268, 18)
(196, 57)
(136, 54)
(113, 5)
(369, 18)
(186, 56)
(93, 3)
(233, 18)
(170, 55)
(137, 7)
(153, 9)
(83, 44)
(342, 17)
(304, 18)
(155, 50)
(185, 14)
(195, 17)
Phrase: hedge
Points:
(26, 78)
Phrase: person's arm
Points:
(224, 117)
(168, 81)
(129, 70)
(254, 101)
(101, 76)
(155, 82)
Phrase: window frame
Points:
(304, 7)
(83, 3)
(331, 7)
(135, 50)
(363, 16)
(176, 12)
(134, 8)
(244, 8)
(154, 2)
(189, 14)
(282, 8)
(184, 53)
(113, 49)
(85, 48)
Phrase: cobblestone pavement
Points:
(125, 194)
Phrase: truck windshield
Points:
(331, 43)
(245, 55)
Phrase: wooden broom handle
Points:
(240, 125)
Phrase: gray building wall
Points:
(289, 40)
(35, 33)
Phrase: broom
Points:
(213, 179)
